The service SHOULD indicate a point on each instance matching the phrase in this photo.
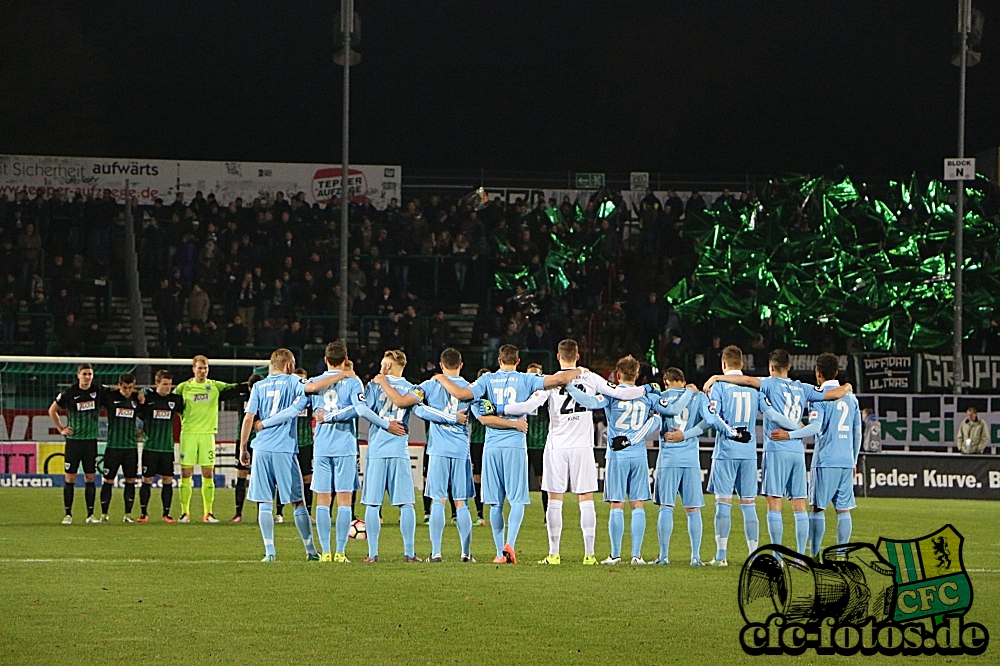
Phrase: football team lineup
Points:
(298, 445)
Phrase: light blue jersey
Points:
(382, 443)
(446, 437)
(690, 422)
(501, 388)
(839, 439)
(337, 433)
(738, 406)
(632, 419)
(790, 398)
(268, 397)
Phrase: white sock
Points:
(553, 523)
(588, 525)
(752, 545)
(721, 542)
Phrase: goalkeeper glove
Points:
(742, 435)
(619, 443)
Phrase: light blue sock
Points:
(343, 527)
(408, 528)
(464, 520)
(694, 533)
(324, 525)
(664, 530)
(514, 519)
(801, 531)
(373, 527)
(496, 523)
(305, 528)
(751, 526)
(638, 530)
(616, 529)
(844, 527)
(265, 519)
(775, 529)
(723, 523)
(817, 526)
(436, 527)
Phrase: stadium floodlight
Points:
(349, 35)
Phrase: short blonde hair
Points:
(199, 359)
(280, 358)
(396, 356)
(732, 356)
(627, 368)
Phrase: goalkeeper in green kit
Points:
(199, 424)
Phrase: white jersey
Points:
(570, 425)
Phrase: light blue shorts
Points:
(733, 476)
(335, 474)
(832, 484)
(449, 473)
(626, 477)
(392, 474)
(505, 475)
(272, 471)
(784, 474)
(671, 481)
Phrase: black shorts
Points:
(81, 451)
(306, 459)
(476, 450)
(127, 459)
(157, 463)
(535, 457)
(427, 461)
(240, 465)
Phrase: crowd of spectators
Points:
(266, 273)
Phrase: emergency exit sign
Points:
(960, 168)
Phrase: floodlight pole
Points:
(346, 26)
(964, 25)
(136, 318)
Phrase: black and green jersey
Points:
(538, 428)
(477, 431)
(83, 409)
(122, 415)
(243, 398)
(304, 427)
(158, 421)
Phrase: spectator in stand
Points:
(356, 279)
(363, 306)
(93, 336)
(295, 337)
(213, 336)
(973, 435)
(38, 329)
(695, 204)
(267, 336)
(538, 338)
(461, 252)
(440, 333)
(29, 244)
(713, 357)
(9, 309)
(246, 300)
(70, 335)
(199, 306)
(649, 321)
(237, 334)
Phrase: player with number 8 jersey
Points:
(388, 460)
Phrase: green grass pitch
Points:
(197, 594)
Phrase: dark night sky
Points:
(679, 87)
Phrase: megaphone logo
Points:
(906, 597)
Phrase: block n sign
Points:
(960, 168)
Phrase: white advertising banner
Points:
(150, 179)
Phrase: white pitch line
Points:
(75, 560)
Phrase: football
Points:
(358, 530)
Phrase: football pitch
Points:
(197, 593)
